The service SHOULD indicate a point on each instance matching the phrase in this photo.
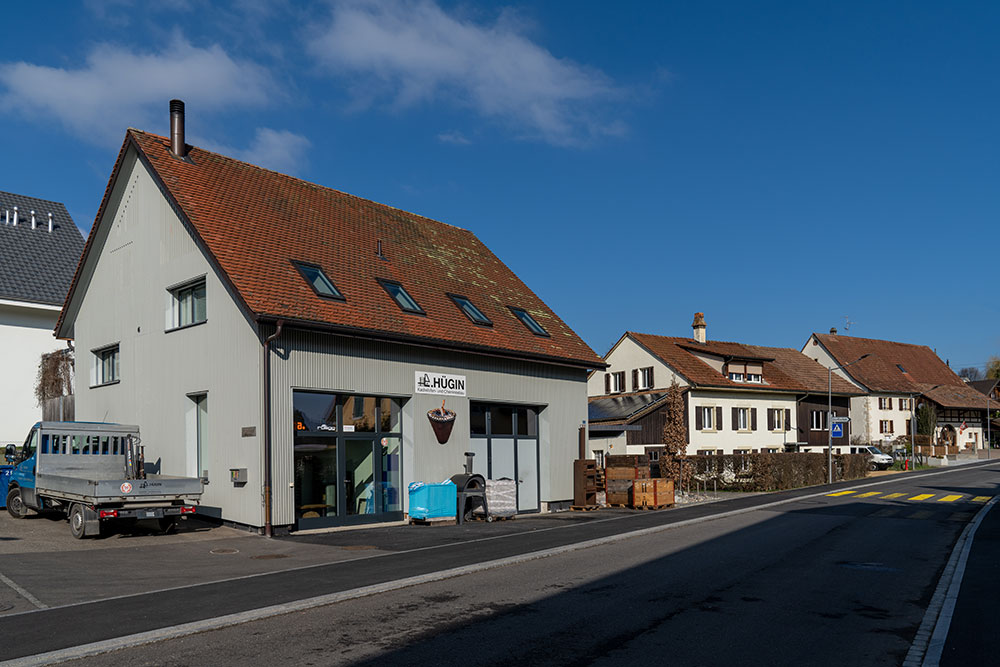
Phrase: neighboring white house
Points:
(39, 249)
(896, 378)
(738, 398)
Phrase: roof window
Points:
(318, 280)
(401, 296)
(900, 367)
(470, 310)
(529, 321)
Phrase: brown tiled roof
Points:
(254, 222)
(956, 396)
(884, 369)
(785, 369)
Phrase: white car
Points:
(879, 460)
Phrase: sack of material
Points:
(433, 501)
(501, 497)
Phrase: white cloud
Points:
(414, 52)
(117, 88)
(279, 150)
(454, 137)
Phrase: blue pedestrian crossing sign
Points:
(837, 430)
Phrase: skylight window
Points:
(317, 279)
(470, 310)
(529, 321)
(900, 367)
(401, 297)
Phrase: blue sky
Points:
(781, 166)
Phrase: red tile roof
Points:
(892, 367)
(785, 369)
(254, 223)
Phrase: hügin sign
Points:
(439, 383)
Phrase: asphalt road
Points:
(820, 580)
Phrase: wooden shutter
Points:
(635, 379)
(736, 419)
(718, 419)
(753, 419)
(652, 383)
(607, 383)
(888, 404)
(788, 420)
(770, 419)
(698, 425)
(892, 426)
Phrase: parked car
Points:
(879, 460)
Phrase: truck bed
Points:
(100, 488)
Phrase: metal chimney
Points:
(177, 145)
(15, 216)
(50, 223)
(34, 225)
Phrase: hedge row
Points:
(773, 472)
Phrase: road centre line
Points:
(172, 632)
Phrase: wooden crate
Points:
(625, 460)
(653, 493)
(585, 482)
(619, 492)
(621, 472)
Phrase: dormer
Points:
(748, 371)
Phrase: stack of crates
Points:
(620, 473)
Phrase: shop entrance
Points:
(505, 440)
(348, 467)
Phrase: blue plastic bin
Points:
(433, 501)
(5, 473)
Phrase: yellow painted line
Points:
(981, 499)
(840, 493)
(922, 496)
(921, 514)
(869, 494)
(950, 499)
(894, 495)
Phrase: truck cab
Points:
(21, 488)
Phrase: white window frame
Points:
(645, 378)
(736, 377)
(177, 304)
(618, 382)
(904, 404)
(708, 418)
(743, 419)
(882, 402)
(885, 426)
(755, 378)
(104, 359)
(822, 420)
(778, 418)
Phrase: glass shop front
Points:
(348, 466)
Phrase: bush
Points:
(773, 472)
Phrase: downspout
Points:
(267, 427)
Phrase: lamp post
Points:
(829, 415)
(988, 443)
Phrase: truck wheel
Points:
(76, 522)
(15, 506)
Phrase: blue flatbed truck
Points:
(94, 473)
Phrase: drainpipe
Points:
(267, 427)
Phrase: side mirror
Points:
(10, 453)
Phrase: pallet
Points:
(434, 521)
(493, 517)
(584, 508)
(652, 507)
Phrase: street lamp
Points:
(829, 415)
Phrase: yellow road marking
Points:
(922, 496)
(921, 514)
(840, 493)
(869, 494)
(950, 499)
(894, 495)
(980, 499)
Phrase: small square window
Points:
(188, 304)
(106, 366)
(319, 281)
(528, 321)
(401, 297)
(470, 310)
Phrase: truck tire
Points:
(76, 521)
(15, 505)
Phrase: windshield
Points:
(874, 450)
(29, 445)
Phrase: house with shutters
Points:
(40, 246)
(738, 398)
(895, 379)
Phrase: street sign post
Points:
(841, 420)
(837, 431)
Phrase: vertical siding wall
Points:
(144, 249)
(345, 365)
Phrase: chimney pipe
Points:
(33, 224)
(50, 223)
(833, 331)
(699, 327)
(7, 220)
(15, 216)
(177, 145)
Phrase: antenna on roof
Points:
(848, 323)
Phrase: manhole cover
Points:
(269, 556)
(358, 547)
(220, 552)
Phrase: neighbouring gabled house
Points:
(896, 378)
(738, 398)
(310, 353)
(39, 249)
(991, 388)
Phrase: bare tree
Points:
(55, 375)
(993, 368)
(971, 373)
